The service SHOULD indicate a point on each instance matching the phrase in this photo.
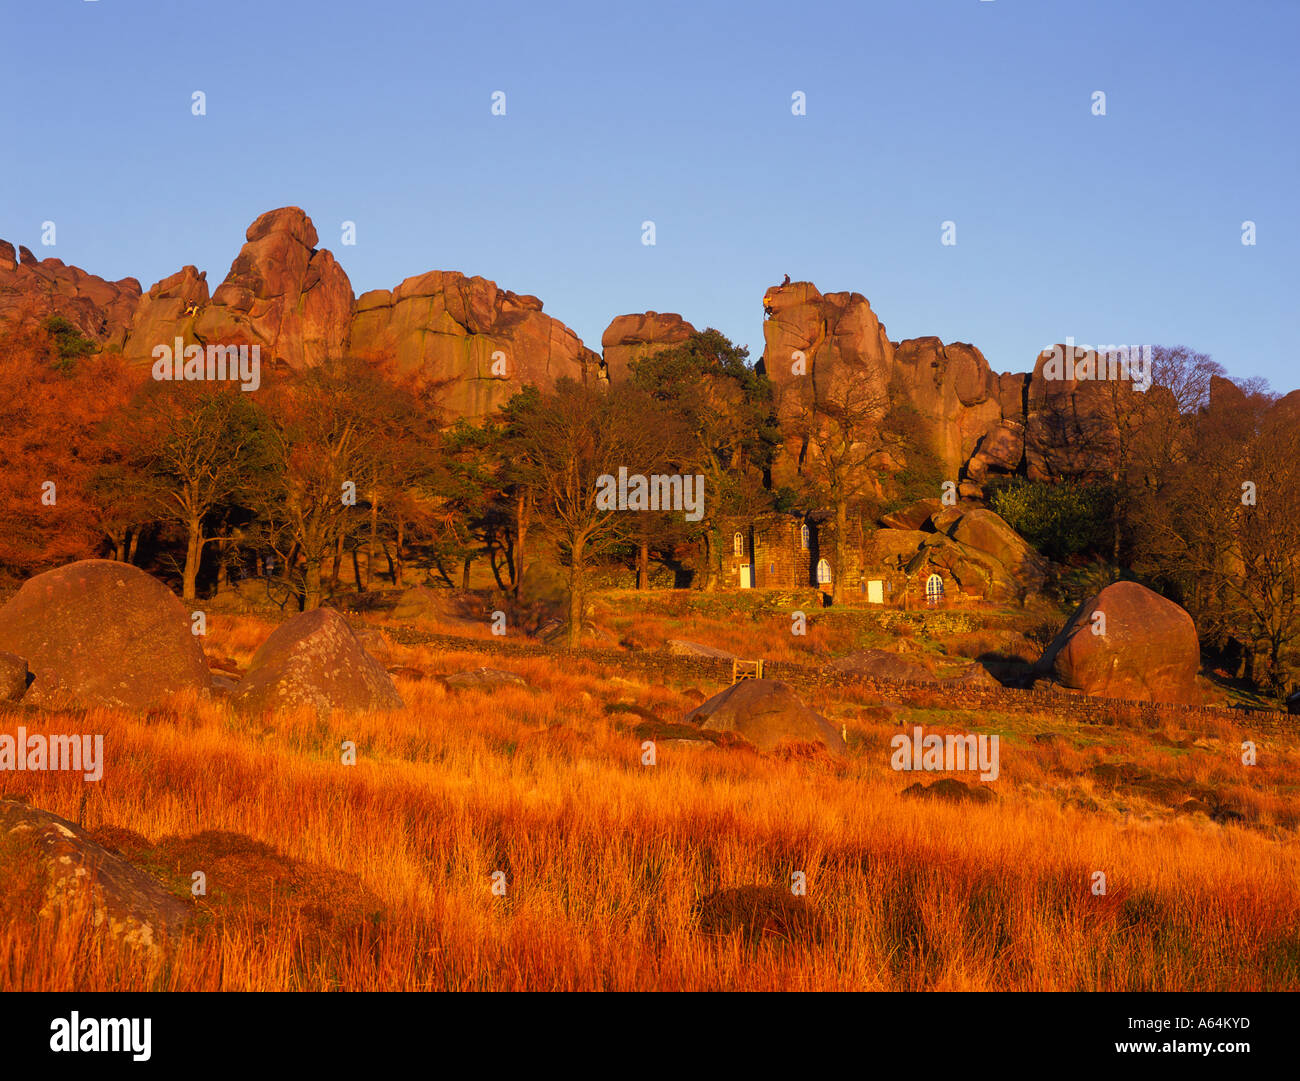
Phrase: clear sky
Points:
(1123, 228)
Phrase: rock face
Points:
(77, 877)
(815, 342)
(101, 633)
(483, 342)
(314, 659)
(30, 288)
(1149, 651)
(168, 311)
(1069, 423)
(281, 293)
(630, 338)
(764, 712)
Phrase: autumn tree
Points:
(562, 443)
(715, 421)
(54, 397)
(330, 440)
(196, 451)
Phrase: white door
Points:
(746, 576)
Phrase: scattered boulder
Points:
(950, 790)
(765, 712)
(102, 633)
(915, 516)
(484, 677)
(881, 664)
(314, 659)
(679, 647)
(14, 677)
(74, 876)
(1149, 651)
(975, 675)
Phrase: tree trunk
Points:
(312, 584)
(337, 567)
(397, 555)
(464, 573)
(643, 565)
(841, 551)
(573, 636)
(523, 513)
(371, 545)
(193, 552)
(132, 544)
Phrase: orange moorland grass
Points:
(381, 873)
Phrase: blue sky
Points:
(1124, 228)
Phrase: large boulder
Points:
(985, 531)
(102, 633)
(73, 877)
(1149, 651)
(764, 712)
(314, 659)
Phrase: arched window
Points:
(823, 573)
(738, 544)
(805, 535)
(934, 589)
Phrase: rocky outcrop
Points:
(816, 344)
(281, 293)
(102, 633)
(630, 338)
(1145, 648)
(765, 713)
(966, 544)
(1070, 428)
(314, 660)
(482, 343)
(34, 289)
